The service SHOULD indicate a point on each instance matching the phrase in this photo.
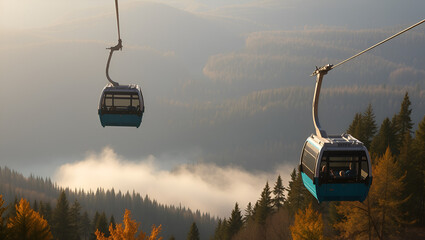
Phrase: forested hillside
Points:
(394, 208)
(91, 206)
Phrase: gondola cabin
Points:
(121, 105)
(336, 168)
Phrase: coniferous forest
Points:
(36, 208)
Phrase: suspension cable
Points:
(114, 48)
(370, 48)
(118, 19)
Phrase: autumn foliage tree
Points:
(308, 224)
(2, 222)
(28, 224)
(128, 231)
(380, 214)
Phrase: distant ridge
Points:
(175, 221)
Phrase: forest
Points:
(36, 208)
(394, 208)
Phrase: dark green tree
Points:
(61, 227)
(46, 211)
(403, 120)
(298, 195)
(3, 229)
(86, 226)
(418, 189)
(249, 212)
(94, 225)
(235, 222)
(369, 126)
(221, 230)
(75, 220)
(193, 232)
(363, 126)
(265, 205)
(385, 138)
(279, 194)
(102, 224)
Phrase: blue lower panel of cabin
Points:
(120, 120)
(308, 183)
(336, 191)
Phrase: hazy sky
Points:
(215, 102)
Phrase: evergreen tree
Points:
(279, 195)
(61, 221)
(102, 224)
(403, 120)
(265, 206)
(86, 226)
(46, 211)
(94, 225)
(75, 220)
(369, 126)
(418, 189)
(28, 224)
(221, 230)
(235, 222)
(193, 232)
(298, 195)
(385, 138)
(3, 229)
(363, 126)
(249, 212)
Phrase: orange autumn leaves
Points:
(128, 231)
(27, 224)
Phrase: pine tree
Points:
(28, 224)
(363, 126)
(404, 122)
(385, 138)
(75, 220)
(221, 230)
(86, 226)
(279, 195)
(298, 195)
(308, 224)
(3, 229)
(193, 232)
(235, 222)
(102, 224)
(418, 189)
(61, 221)
(265, 206)
(369, 126)
(94, 225)
(355, 126)
(249, 212)
(46, 211)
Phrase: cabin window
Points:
(309, 159)
(121, 101)
(344, 166)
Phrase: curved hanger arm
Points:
(117, 47)
(320, 72)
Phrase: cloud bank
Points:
(206, 187)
